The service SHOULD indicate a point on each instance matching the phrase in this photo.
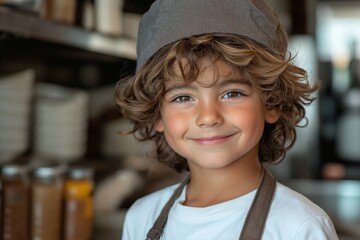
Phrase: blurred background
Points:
(59, 125)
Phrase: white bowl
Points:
(20, 80)
(57, 105)
(54, 140)
(60, 130)
(78, 146)
(20, 96)
(57, 140)
(49, 96)
(60, 153)
(6, 157)
(15, 121)
(60, 118)
(8, 133)
(17, 86)
(13, 145)
(46, 106)
(11, 107)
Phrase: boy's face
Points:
(214, 125)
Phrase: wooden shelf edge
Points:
(35, 27)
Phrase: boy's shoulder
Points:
(294, 208)
(154, 201)
(294, 216)
(286, 198)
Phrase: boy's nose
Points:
(209, 115)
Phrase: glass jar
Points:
(15, 202)
(47, 196)
(78, 199)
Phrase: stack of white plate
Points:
(60, 125)
(15, 111)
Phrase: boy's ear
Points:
(159, 126)
(272, 115)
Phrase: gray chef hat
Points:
(170, 20)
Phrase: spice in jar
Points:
(78, 199)
(47, 196)
(15, 209)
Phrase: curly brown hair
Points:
(281, 86)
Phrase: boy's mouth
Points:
(213, 139)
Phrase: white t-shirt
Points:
(291, 217)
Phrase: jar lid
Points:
(49, 171)
(12, 170)
(80, 172)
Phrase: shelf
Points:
(34, 27)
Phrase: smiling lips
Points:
(212, 140)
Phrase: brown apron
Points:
(255, 220)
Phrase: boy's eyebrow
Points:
(182, 87)
(223, 83)
(237, 81)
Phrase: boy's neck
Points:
(212, 187)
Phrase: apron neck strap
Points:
(255, 220)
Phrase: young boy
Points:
(216, 92)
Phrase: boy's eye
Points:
(232, 94)
(183, 99)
